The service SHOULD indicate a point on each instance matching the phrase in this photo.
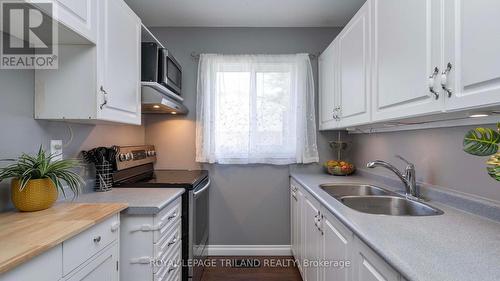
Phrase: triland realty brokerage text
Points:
(252, 263)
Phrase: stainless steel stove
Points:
(134, 168)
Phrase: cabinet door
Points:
(300, 229)
(103, 267)
(406, 38)
(119, 63)
(45, 267)
(472, 47)
(336, 244)
(328, 87)
(79, 16)
(312, 236)
(368, 266)
(354, 49)
(294, 215)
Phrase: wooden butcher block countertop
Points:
(26, 235)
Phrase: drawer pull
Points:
(147, 227)
(174, 267)
(171, 217)
(115, 226)
(97, 239)
(140, 260)
(172, 242)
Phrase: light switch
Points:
(56, 149)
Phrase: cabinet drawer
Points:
(86, 244)
(167, 244)
(45, 267)
(172, 267)
(168, 217)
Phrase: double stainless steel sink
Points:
(376, 200)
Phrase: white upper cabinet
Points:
(354, 74)
(119, 58)
(79, 15)
(96, 83)
(406, 58)
(328, 87)
(76, 16)
(472, 47)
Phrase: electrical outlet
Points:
(56, 149)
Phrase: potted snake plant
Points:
(485, 142)
(37, 180)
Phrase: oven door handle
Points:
(195, 193)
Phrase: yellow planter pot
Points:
(38, 195)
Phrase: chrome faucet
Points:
(408, 178)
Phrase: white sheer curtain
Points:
(255, 109)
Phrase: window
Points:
(255, 109)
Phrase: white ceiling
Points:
(246, 13)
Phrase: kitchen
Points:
(383, 82)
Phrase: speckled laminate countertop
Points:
(454, 246)
(141, 201)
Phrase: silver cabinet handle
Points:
(105, 98)
(97, 239)
(115, 226)
(336, 113)
(172, 242)
(432, 79)
(171, 217)
(444, 79)
(174, 267)
(141, 260)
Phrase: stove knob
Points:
(130, 156)
(122, 157)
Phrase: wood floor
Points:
(239, 269)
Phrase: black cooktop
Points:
(172, 178)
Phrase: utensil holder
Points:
(103, 177)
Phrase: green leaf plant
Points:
(43, 166)
(485, 142)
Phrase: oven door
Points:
(198, 227)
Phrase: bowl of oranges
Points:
(339, 167)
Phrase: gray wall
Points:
(437, 154)
(249, 203)
(21, 133)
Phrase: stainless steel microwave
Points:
(158, 65)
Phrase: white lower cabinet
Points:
(151, 245)
(327, 249)
(368, 266)
(92, 255)
(336, 246)
(312, 239)
(104, 267)
(40, 268)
